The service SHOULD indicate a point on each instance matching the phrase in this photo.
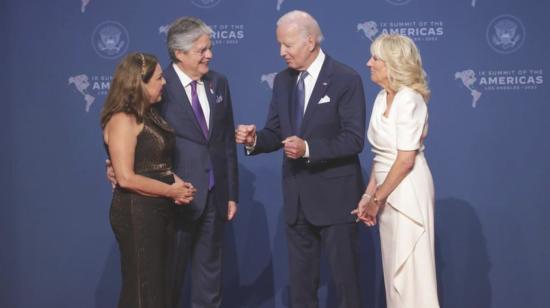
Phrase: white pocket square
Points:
(324, 99)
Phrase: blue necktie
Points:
(199, 114)
(299, 102)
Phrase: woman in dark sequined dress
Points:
(139, 144)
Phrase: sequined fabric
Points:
(155, 145)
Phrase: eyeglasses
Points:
(202, 51)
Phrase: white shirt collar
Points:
(184, 78)
(315, 68)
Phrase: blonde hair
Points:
(403, 63)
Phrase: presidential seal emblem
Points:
(205, 4)
(110, 40)
(505, 34)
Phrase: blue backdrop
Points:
(488, 145)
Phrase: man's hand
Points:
(245, 134)
(231, 210)
(182, 192)
(110, 173)
(367, 211)
(294, 147)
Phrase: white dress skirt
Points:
(407, 220)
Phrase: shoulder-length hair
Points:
(127, 93)
(403, 63)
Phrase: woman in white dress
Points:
(400, 193)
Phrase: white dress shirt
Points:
(309, 83)
(313, 73)
(201, 92)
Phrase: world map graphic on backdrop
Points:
(83, 5)
(279, 4)
(164, 29)
(90, 87)
(487, 80)
(82, 83)
(369, 28)
(468, 79)
(268, 78)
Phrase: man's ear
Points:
(179, 54)
(311, 42)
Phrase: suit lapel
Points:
(210, 88)
(291, 86)
(177, 91)
(319, 90)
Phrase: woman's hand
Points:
(368, 209)
(372, 209)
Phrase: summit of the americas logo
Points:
(222, 34)
(418, 30)
(505, 34)
(110, 40)
(498, 80)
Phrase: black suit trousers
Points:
(199, 245)
(340, 242)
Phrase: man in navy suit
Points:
(317, 115)
(197, 105)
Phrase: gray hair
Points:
(306, 24)
(183, 33)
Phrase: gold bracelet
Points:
(377, 201)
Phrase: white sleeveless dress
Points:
(407, 220)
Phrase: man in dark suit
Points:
(317, 114)
(197, 105)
